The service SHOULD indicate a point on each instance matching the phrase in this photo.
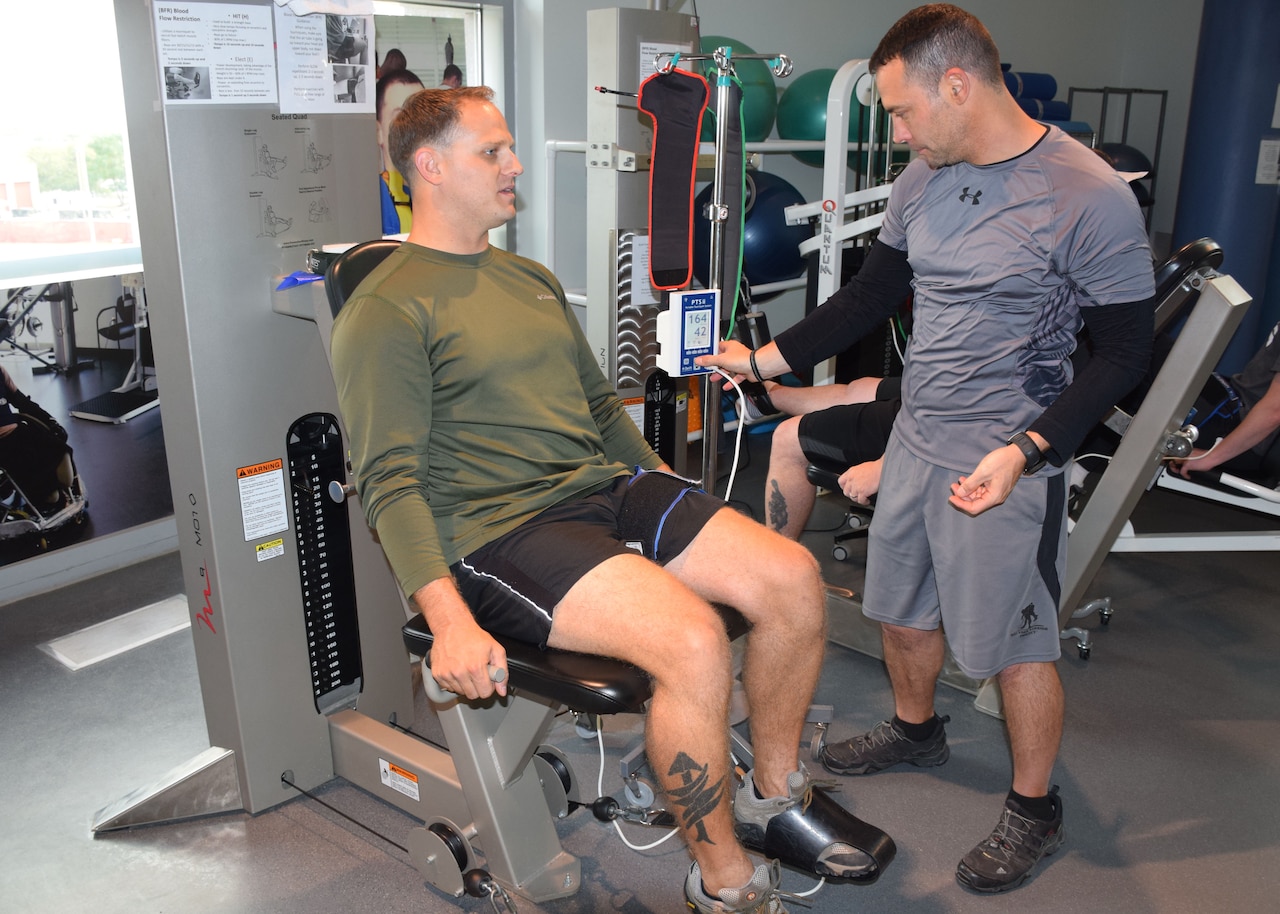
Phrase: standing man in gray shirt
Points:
(1011, 235)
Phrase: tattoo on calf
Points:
(777, 507)
(696, 796)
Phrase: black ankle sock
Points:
(917, 733)
(1036, 807)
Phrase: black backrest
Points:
(351, 267)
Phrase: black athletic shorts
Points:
(853, 433)
(514, 583)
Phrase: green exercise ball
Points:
(802, 113)
(759, 95)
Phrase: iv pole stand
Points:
(717, 212)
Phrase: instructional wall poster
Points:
(326, 62)
(213, 53)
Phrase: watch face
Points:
(1032, 454)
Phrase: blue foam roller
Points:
(1031, 85)
(1045, 109)
(1072, 127)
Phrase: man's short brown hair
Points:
(429, 118)
(389, 79)
(932, 39)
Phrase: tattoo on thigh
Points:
(777, 507)
(696, 796)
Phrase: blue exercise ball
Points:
(770, 247)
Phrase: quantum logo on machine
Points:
(828, 235)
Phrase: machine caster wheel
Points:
(839, 553)
(1084, 651)
(1104, 617)
(639, 793)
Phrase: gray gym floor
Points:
(1170, 768)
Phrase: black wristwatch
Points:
(1030, 450)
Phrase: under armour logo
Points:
(971, 197)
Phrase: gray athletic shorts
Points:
(514, 583)
(993, 581)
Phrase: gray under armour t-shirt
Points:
(1004, 258)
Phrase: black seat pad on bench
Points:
(583, 682)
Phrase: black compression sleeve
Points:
(1121, 337)
(24, 404)
(858, 307)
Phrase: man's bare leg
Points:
(1033, 708)
(631, 609)
(914, 660)
(784, 600)
(788, 493)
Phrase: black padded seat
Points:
(582, 682)
(826, 475)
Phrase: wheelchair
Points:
(23, 518)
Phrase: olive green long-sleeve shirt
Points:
(472, 401)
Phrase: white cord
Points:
(902, 355)
(822, 880)
(600, 792)
(737, 446)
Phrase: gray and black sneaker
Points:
(1005, 859)
(884, 746)
(759, 896)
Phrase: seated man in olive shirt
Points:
(512, 492)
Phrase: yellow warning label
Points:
(270, 550)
